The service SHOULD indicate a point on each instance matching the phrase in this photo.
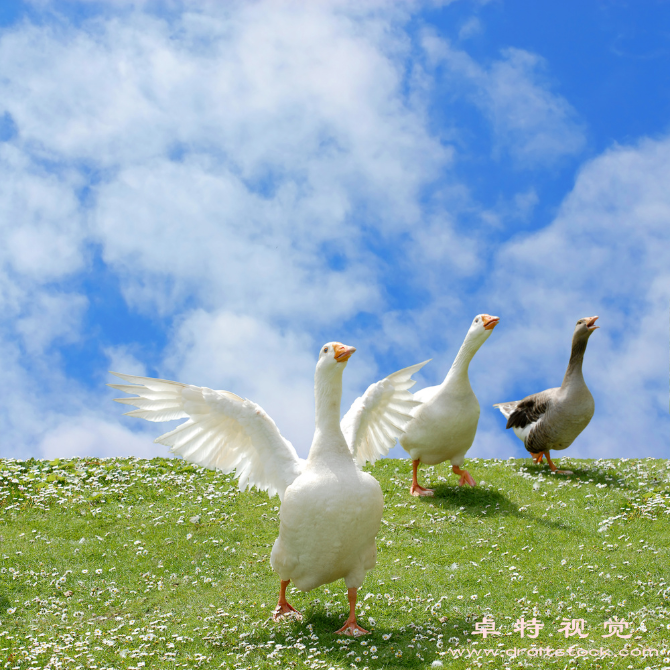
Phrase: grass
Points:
(125, 563)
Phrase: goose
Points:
(330, 509)
(443, 426)
(554, 418)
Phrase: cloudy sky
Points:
(209, 191)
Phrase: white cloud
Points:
(530, 122)
(213, 239)
(94, 437)
(471, 27)
(122, 359)
(41, 223)
(48, 317)
(438, 240)
(236, 150)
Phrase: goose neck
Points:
(329, 442)
(573, 375)
(459, 368)
(328, 399)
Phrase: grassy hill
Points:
(125, 563)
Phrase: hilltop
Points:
(126, 563)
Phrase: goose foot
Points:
(554, 469)
(466, 477)
(416, 489)
(284, 607)
(350, 626)
(286, 610)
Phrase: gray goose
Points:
(553, 418)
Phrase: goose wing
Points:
(223, 431)
(379, 416)
(531, 409)
(525, 416)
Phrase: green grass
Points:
(102, 564)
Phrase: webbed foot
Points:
(466, 477)
(286, 610)
(418, 490)
(352, 628)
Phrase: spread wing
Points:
(379, 416)
(223, 431)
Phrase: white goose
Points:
(443, 426)
(331, 510)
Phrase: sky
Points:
(208, 192)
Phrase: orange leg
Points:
(350, 626)
(466, 477)
(284, 608)
(553, 467)
(537, 458)
(416, 489)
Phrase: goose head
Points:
(481, 328)
(585, 327)
(333, 359)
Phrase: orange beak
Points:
(591, 321)
(490, 322)
(343, 352)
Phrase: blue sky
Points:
(209, 191)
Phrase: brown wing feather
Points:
(527, 411)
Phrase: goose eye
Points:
(477, 320)
(325, 350)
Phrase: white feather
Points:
(223, 431)
(378, 418)
(506, 408)
(523, 433)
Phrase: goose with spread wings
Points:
(553, 419)
(330, 509)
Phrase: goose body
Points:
(444, 425)
(553, 419)
(328, 522)
(331, 510)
